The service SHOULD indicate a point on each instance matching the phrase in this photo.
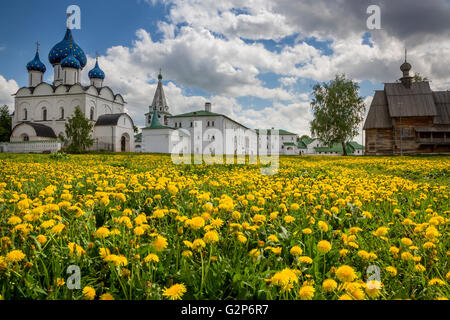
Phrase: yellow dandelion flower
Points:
(306, 292)
(329, 285)
(324, 246)
(175, 292)
(15, 256)
(346, 273)
(106, 296)
(89, 293)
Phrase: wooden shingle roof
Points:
(378, 117)
(396, 100)
(442, 100)
(416, 101)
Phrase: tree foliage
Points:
(5, 123)
(78, 130)
(338, 110)
(419, 78)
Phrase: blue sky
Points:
(255, 63)
(105, 23)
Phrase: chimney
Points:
(208, 106)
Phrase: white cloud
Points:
(288, 81)
(7, 88)
(205, 46)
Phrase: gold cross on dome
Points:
(37, 46)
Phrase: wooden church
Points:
(408, 118)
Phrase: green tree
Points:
(5, 124)
(78, 130)
(338, 110)
(419, 78)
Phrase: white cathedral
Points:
(42, 109)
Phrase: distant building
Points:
(408, 118)
(287, 142)
(312, 146)
(138, 142)
(203, 128)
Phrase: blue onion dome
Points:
(96, 72)
(70, 61)
(61, 50)
(36, 64)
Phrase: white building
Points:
(42, 109)
(197, 132)
(286, 142)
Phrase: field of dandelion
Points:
(140, 227)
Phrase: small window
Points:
(213, 123)
(26, 137)
(25, 114)
(207, 124)
(61, 113)
(44, 114)
(176, 125)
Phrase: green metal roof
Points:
(281, 132)
(289, 144)
(301, 145)
(307, 141)
(356, 145)
(155, 122)
(336, 147)
(138, 137)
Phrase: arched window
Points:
(25, 114)
(61, 112)
(91, 117)
(25, 137)
(44, 114)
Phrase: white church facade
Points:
(41, 109)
